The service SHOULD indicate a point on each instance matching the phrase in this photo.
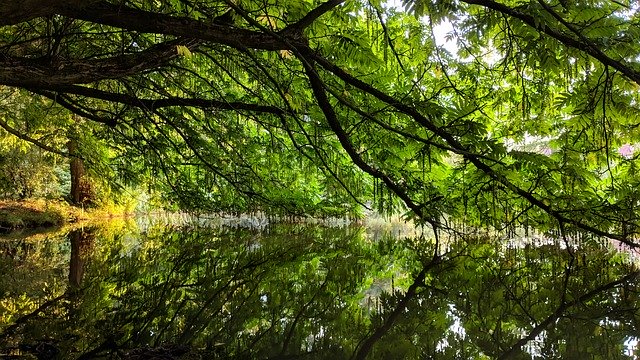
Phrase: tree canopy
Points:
(329, 106)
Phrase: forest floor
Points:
(28, 214)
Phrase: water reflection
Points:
(313, 292)
(81, 240)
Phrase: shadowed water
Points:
(310, 291)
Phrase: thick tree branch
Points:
(334, 124)
(24, 72)
(325, 166)
(151, 22)
(14, 12)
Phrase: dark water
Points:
(310, 292)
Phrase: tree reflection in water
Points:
(312, 292)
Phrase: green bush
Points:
(27, 173)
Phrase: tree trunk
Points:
(77, 173)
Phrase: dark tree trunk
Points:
(77, 174)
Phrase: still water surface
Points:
(140, 289)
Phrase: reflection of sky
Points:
(457, 328)
(631, 346)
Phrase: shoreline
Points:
(44, 214)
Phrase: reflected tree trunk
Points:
(81, 242)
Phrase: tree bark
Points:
(77, 173)
(14, 12)
(45, 72)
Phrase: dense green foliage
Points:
(313, 107)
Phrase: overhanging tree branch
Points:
(153, 104)
(581, 44)
(312, 16)
(128, 18)
(334, 124)
(14, 12)
(35, 142)
(46, 72)
(64, 102)
(325, 166)
(454, 143)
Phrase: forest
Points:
(467, 118)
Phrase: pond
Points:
(216, 289)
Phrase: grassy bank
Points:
(42, 213)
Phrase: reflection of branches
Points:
(24, 319)
(303, 309)
(514, 294)
(564, 306)
(365, 346)
(166, 288)
(242, 274)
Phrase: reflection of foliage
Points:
(33, 271)
(514, 303)
(318, 292)
(225, 291)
